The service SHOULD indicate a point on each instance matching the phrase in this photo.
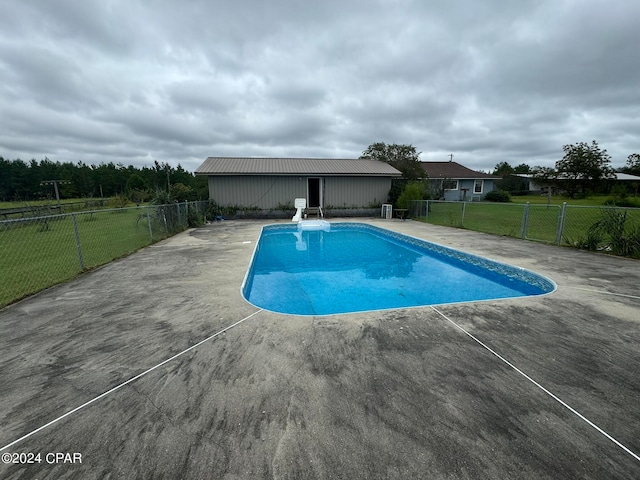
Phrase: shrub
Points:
(139, 196)
(161, 197)
(181, 192)
(412, 191)
(285, 207)
(614, 234)
(497, 196)
(591, 241)
(622, 202)
(119, 201)
(397, 187)
(194, 217)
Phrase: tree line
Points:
(27, 181)
(585, 168)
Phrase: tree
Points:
(5, 179)
(633, 164)
(82, 177)
(522, 168)
(546, 177)
(23, 187)
(582, 168)
(510, 182)
(502, 169)
(136, 182)
(180, 192)
(20, 180)
(404, 158)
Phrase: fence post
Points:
(149, 223)
(464, 204)
(525, 221)
(561, 220)
(78, 244)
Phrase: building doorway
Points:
(314, 192)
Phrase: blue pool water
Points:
(355, 267)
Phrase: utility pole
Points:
(55, 184)
(451, 157)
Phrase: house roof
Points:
(616, 176)
(626, 176)
(453, 171)
(295, 166)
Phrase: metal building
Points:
(271, 183)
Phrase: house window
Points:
(450, 184)
(477, 186)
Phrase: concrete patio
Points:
(539, 387)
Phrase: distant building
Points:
(453, 181)
(534, 185)
(271, 183)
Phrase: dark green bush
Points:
(622, 202)
(497, 196)
(412, 191)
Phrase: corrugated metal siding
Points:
(268, 192)
(355, 191)
(256, 191)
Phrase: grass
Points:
(45, 202)
(592, 201)
(38, 208)
(35, 255)
(507, 218)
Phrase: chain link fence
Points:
(610, 229)
(41, 251)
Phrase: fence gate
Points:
(540, 222)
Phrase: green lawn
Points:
(45, 203)
(592, 201)
(37, 255)
(496, 218)
(507, 218)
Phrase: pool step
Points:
(317, 211)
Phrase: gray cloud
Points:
(132, 82)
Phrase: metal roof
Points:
(616, 176)
(453, 171)
(295, 166)
(626, 176)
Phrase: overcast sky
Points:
(135, 81)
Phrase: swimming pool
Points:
(354, 267)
